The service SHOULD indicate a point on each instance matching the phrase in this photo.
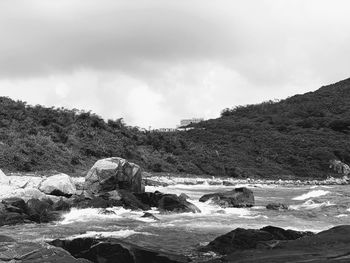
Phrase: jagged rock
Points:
(114, 173)
(108, 250)
(59, 185)
(339, 167)
(239, 197)
(277, 206)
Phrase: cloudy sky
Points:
(154, 62)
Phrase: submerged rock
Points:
(59, 185)
(277, 206)
(239, 197)
(113, 250)
(114, 173)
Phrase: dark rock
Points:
(277, 206)
(241, 239)
(173, 203)
(332, 245)
(239, 197)
(104, 211)
(130, 201)
(58, 192)
(150, 199)
(41, 211)
(38, 252)
(108, 250)
(228, 183)
(114, 173)
(12, 218)
(16, 202)
(94, 202)
(149, 215)
(61, 205)
(184, 196)
(6, 239)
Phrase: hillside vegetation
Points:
(295, 137)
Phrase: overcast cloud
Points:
(158, 61)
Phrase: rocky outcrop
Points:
(108, 250)
(332, 245)
(114, 173)
(26, 252)
(277, 206)
(239, 197)
(59, 185)
(242, 239)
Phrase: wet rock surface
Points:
(238, 197)
(111, 250)
(271, 244)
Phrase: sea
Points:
(311, 208)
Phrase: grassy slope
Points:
(295, 137)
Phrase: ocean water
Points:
(312, 208)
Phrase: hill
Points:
(295, 137)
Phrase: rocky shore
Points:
(116, 182)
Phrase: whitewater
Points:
(311, 208)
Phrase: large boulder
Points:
(41, 211)
(114, 173)
(59, 185)
(113, 250)
(239, 197)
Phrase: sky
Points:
(155, 62)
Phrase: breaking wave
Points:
(310, 204)
(311, 194)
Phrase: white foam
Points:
(342, 215)
(91, 214)
(348, 209)
(311, 194)
(115, 234)
(310, 204)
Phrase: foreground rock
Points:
(272, 244)
(28, 252)
(114, 173)
(113, 250)
(239, 197)
(241, 238)
(59, 185)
